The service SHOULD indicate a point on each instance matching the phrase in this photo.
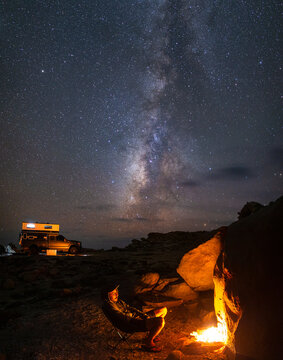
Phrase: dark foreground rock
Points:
(250, 269)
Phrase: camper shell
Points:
(38, 237)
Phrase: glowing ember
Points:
(213, 334)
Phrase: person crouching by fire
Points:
(130, 319)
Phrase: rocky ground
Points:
(50, 306)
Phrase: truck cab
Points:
(38, 237)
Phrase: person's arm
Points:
(136, 312)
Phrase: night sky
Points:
(124, 117)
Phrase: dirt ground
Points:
(77, 329)
(50, 309)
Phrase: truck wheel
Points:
(33, 250)
(73, 250)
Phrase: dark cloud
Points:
(121, 220)
(142, 219)
(105, 207)
(85, 207)
(130, 220)
(190, 183)
(232, 173)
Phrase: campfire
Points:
(212, 334)
(213, 339)
(219, 339)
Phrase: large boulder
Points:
(180, 290)
(146, 283)
(149, 279)
(248, 283)
(196, 266)
(163, 282)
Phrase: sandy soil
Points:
(77, 329)
(50, 308)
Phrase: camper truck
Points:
(37, 237)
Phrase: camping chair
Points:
(123, 334)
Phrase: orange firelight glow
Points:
(212, 334)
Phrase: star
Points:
(160, 109)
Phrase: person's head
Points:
(109, 292)
(113, 295)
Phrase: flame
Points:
(212, 334)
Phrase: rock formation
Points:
(180, 290)
(146, 283)
(248, 283)
(196, 266)
(250, 208)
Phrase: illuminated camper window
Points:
(31, 226)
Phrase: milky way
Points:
(120, 118)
